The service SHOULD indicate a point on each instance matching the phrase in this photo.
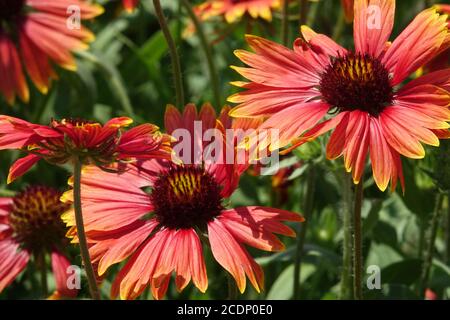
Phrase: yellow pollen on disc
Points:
(185, 184)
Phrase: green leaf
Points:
(403, 272)
(372, 217)
(283, 287)
(382, 255)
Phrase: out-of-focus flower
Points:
(359, 94)
(31, 225)
(130, 5)
(161, 230)
(36, 34)
(443, 58)
(347, 5)
(234, 10)
(430, 295)
(91, 142)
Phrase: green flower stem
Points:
(285, 25)
(346, 290)
(208, 53)
(232, 288)
(95, 294)
(303, 10)
(339, 28)
(428, 259)
(422, 231)
(447, 231)
(40, 261)
(357, 242)
(176, 65)
(308, 209)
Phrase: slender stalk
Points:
(422, 232)
(43, 273)
(208, 52)
(232, 289)
(424, 281)
(447, 231)
(337, 32)
(80, 230)
(346, 291)
(285, 25)
(308, 200)
(304, 6)
(429, 3)
(176, 65)
(357, 242)
(311, 14)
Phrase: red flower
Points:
(130, 5)
(347, 6)
(34, 34)
(442, 59)
(90, 141)
(30, 224)
(359, 94)
(160, 231)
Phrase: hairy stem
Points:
(42, 266)
(447, 231)
(308, 200)
(428, 259)
(339, 28)
(346, 290)
(176, 65)
(304, 6)
(232, 288)
(357, 242)
(208, 52)
(285, 25)
(80, 230)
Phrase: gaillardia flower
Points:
(34, 34)
(31, 226)
(234, 10)
(91, 142)
(161, 213)
(442, 60)
(361, 93)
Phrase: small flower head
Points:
(91, 142)
(87, 140)
(31, 225)
(35, 218)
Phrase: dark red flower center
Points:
(357, 82)
(10, 9)
(186, 197)
(36, 218)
